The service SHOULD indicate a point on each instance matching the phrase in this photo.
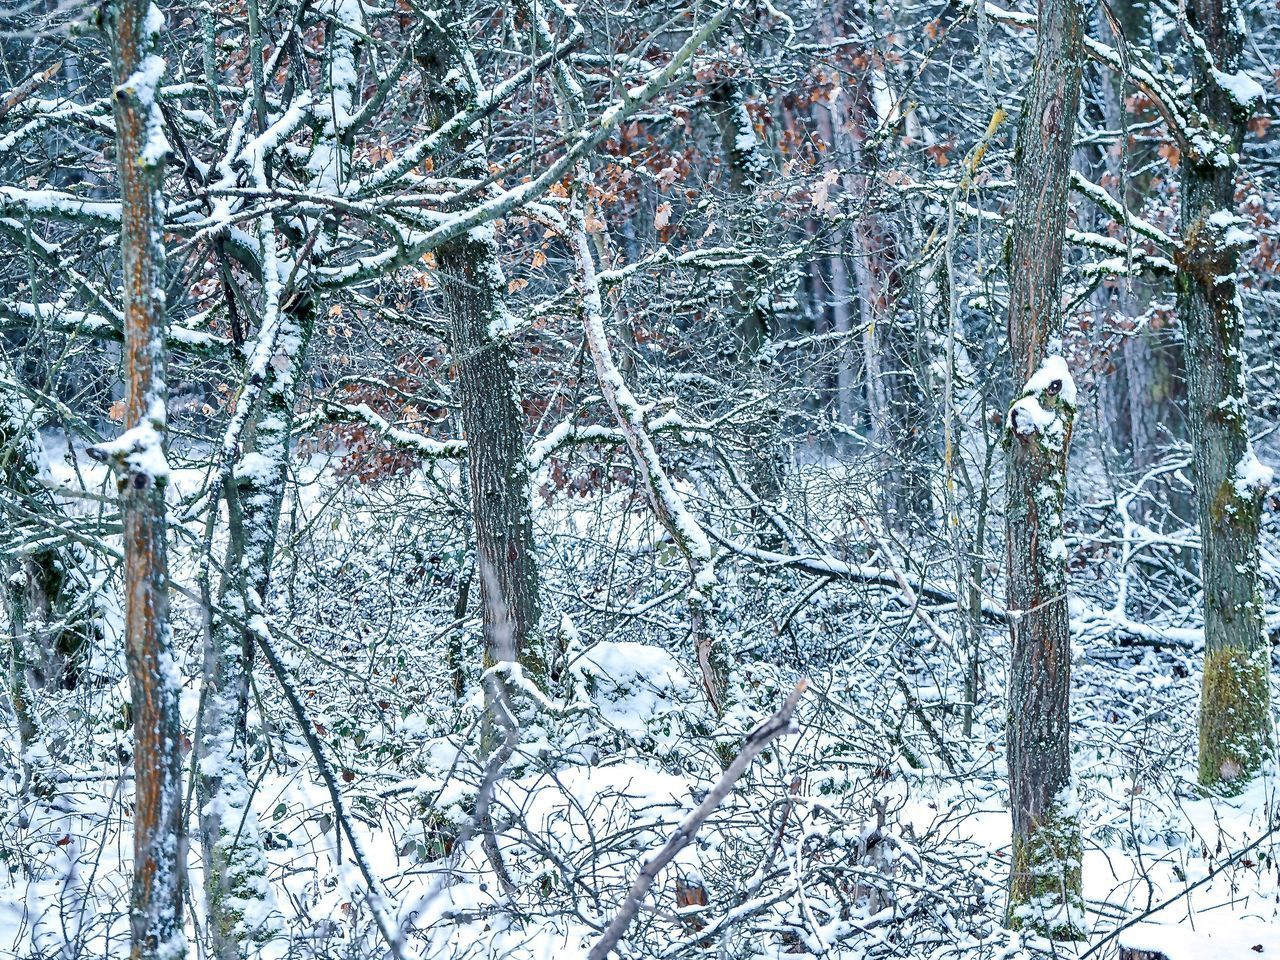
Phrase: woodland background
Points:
(435, 436)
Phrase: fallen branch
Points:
(824, 565)
(757, 740)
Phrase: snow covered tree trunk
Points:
(1044, 883)
(747, 166)
(138, 456)
(1230, 483)
(488, 387)
(240, 903)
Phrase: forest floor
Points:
(877, 829)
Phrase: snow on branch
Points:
(759, 738)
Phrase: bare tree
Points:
(488, 387)
(1044, 883)
(1230, 482)
(138, 457)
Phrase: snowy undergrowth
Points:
(877, 829)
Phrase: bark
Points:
(747, 164)
(1234, 707)
(1044, 885)
(487, 386)
(240, 903)
(138, 456)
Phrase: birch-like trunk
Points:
(159, 848)
(1230, 483)
(1044, 883)
(238, 895)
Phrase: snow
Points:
(1242, 88)
(1052, 371)
(139, 451)
(634, 684)
(57, 202)
(1232, 229)
(1207, 939)
(1029, 417)
(1252, 477)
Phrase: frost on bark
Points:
(240, 902)
(138, 457)
(747, 166)
(1230, 483)
(1044, 883)
(487, 386)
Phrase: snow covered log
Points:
(1229, 939)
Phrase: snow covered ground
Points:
(876, 829)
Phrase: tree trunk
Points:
(1143, 399)
(1230, 484)
(892, 341)
(747, 165)
(237, 892)
(487, 386)
(138, 456)
(1044, 884)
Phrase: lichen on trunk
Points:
(1045, 876)
(1229, 481)
(1235, 728)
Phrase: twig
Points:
(757, 740)
(1229, 862)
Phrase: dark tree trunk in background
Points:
(892, 341)
(1234, 704)
(1144, 396)
(747, 166)
(159, 847)
(1044, 885)
(488, 388)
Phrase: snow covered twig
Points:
(757, 740)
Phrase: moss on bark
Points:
(1045, 879)
(1235, 733)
